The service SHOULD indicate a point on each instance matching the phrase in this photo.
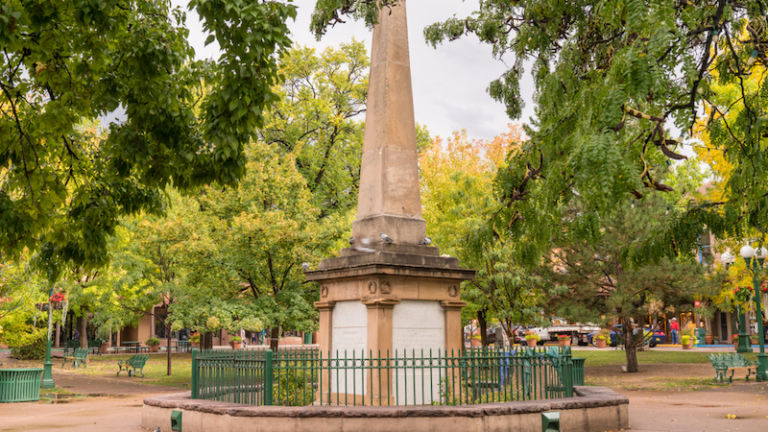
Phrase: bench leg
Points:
(730, 378)
(719, 375)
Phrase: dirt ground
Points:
(658, 402)
(700, 411)
(89, 404)
(660, 398)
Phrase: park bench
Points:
(722, 362)
(136, 362)
(77, 358)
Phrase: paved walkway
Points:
(701, 411)
(106, 404)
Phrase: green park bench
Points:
(78, 357)
(722, 362)
(136, 362)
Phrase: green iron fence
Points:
(20, 385)
(306, 377)
(578, 371)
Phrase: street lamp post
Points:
(48, 366)
(754, 259)
(744, 345)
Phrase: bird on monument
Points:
(385, 238)
(426, 241)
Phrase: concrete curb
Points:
(593, 409)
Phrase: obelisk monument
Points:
(389, 201)
(389, 290)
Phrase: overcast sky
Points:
(449, 83)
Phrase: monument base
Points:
(387, 299)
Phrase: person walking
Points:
(674, 328)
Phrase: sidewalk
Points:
(700, 411)
(104, 404)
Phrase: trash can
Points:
(700, 334)
(20, 385)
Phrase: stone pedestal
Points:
(386, 303)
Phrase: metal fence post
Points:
(195, 375)
(268, 372)
(567, 377)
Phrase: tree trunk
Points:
(274, 338)
(483, 327)
(83, 321)
(630, 347)
(168, 346)
(206, 341)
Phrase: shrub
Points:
(532, 336)
(236, 339)
(685, 340)
(294, 385)
(153, 341)
(34, 350)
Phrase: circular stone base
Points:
(593, 409)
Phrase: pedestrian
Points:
(674, 328)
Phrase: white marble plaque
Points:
(349, 338)
(418, 327)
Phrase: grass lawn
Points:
(154, 371)
(659, 370)
(609, 357)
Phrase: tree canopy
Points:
(616, 82)
(178, 120)
(459, 203)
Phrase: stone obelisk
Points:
(390, 290)
(389, 201)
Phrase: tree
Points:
(260, 234)
(318, 121)
(593, 282)
(293, 205)
(65, 64)
(459, 202)
(153, 264)
(20, 290)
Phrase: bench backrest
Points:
(729, 360)
(81, 353)
(138, 360)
